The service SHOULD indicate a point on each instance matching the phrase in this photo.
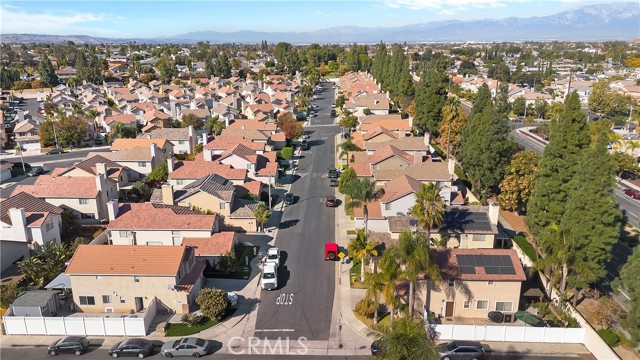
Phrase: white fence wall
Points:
(92, 326)
(511, 333)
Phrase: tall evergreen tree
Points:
(431, 96)
(483, 99)
(379, 61)
(486, 150)
(558, 166)
(48, 76)
(591, 220)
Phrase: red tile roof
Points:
(122, 144)
(379, 130)
(254, 124)
(60, 187)
(159, 216)
(389, 151)
(200, 168)
(29, 203)
(374, 208)
(125, 119)
(399, 187)
(227, 142)
(218, 244)
(126, 260)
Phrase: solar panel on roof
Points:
(505, 260)
(467, 270)
(505, 270)
(479, 259)
(463, 260)
(489, 260)
(492, 270)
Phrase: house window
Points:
(180, 182)
(452, 282)
(98, 277)
(123, 300)
(86, 216)
(106, 299)
(48, 226)
(477, 237)
(176, 238)
(87, 300)
(466, 304)
(180, 142)
(387, 206)
(84, 201)
(154, 243)
(142, 163)
(482, 304)
(249, 166)
(506, 306)
(124, 233)
(222, 206)
(491, 283)
(136, 278)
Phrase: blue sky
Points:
(168, 18)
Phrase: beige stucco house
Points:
(123, 279)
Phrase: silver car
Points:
(187, 346)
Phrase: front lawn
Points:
(179, 329)
(526, 247)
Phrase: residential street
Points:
(303, 303)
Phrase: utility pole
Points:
(569, 85)
(24, 171)
(54, 134)
(269, 190)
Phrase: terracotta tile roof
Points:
(266, 164)
(156, 114)
(371, 119)
(218, 244)
(264, 97)
(126, 260)
(59, 171)
(159, 216)
(89, 165)
(122, 144)
(265, 108)
(252, 124)
(36, 219)
(278, 137)
(242, 151)
(141, 153)
(251, 134)
(227, 142)
(361, 169)
(356, 139)
(425, 171)
(375, 210)
(399, 187)
(391, 125)
(146, 106)
(379, 130)
(250, 187)
(60, 187)
(403, 143)
(200, 113)
(168, 133)
(387, 152)
(199, 168)
(27, 202)
(212, 184)
(447, 261)
(244, 209)
(125, 119)
(457, 198)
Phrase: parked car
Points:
(289, 198)
(97, 142)
(273, 256)
(304, 144)
(331, 201)
(333, 182)
(331, 251)
(375, 348)
(132, 347)
(35, 171)
(54, 151)
(269, 279)
(463, 350)
(70, 345)
(633, 193)
(187, 346)
(333, 173)
(232, 299)
(305, 136)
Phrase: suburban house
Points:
(211, 250)
(261, 167)
(182, 139)
(157, 224)
(470, 227)
(27, 134)
(26, 222)
(126, 279)
(377, 104)
(125, 144)
(218, 195)
(98, 164)
(475, 282)
(139, 160)
(392, 122)
(182, 173)
(5, 167)
(128, 120)
(87, 197)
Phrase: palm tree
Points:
(345, 147)
(375, 283)
(365, 192)
(451, 113)
(262, 214)
(558, 253)
(407, 341)
(360, 248)
(429, 207)
(414, 257)
(390, 273)
(32, 268)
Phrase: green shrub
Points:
(190, 319)
(610, 337)
(212, 303)
(365, 308)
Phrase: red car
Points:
(331, 201)
(633, 193)
(331, 251)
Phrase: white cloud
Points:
(446, 12)
(438, 4)
(17, 20)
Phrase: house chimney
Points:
(171, 163)
(208, 155)
(417, 158)
(19, 224)
(101, 169)
(205, 139)
(112, 209)
(451, 165)
(20, 116)
(172, 105)
(154, 155)
(100, 183)
(167, 194)
(243, 127)
(427, 138)
(494, 213)
(226, 121)
(190, 132)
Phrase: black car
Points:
(69, 345)
(463, 350)
(132, 347)
(35, 171)
(289, 198)
(375, 348)
(54, 151)
(334, 174)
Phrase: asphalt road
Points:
(303, 303)
(100, 354)
(69, 155)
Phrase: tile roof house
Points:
(26, 221)
(98, 164)
(183, 139)
(262, 167)
(182, 173)
(27, 134)
(218, 195)
(157, 224)
(140, 159)
(378, 104)
(475, 282)
(211, 250)
(127, 278)
(87, 197)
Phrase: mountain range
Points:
(619, 21)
